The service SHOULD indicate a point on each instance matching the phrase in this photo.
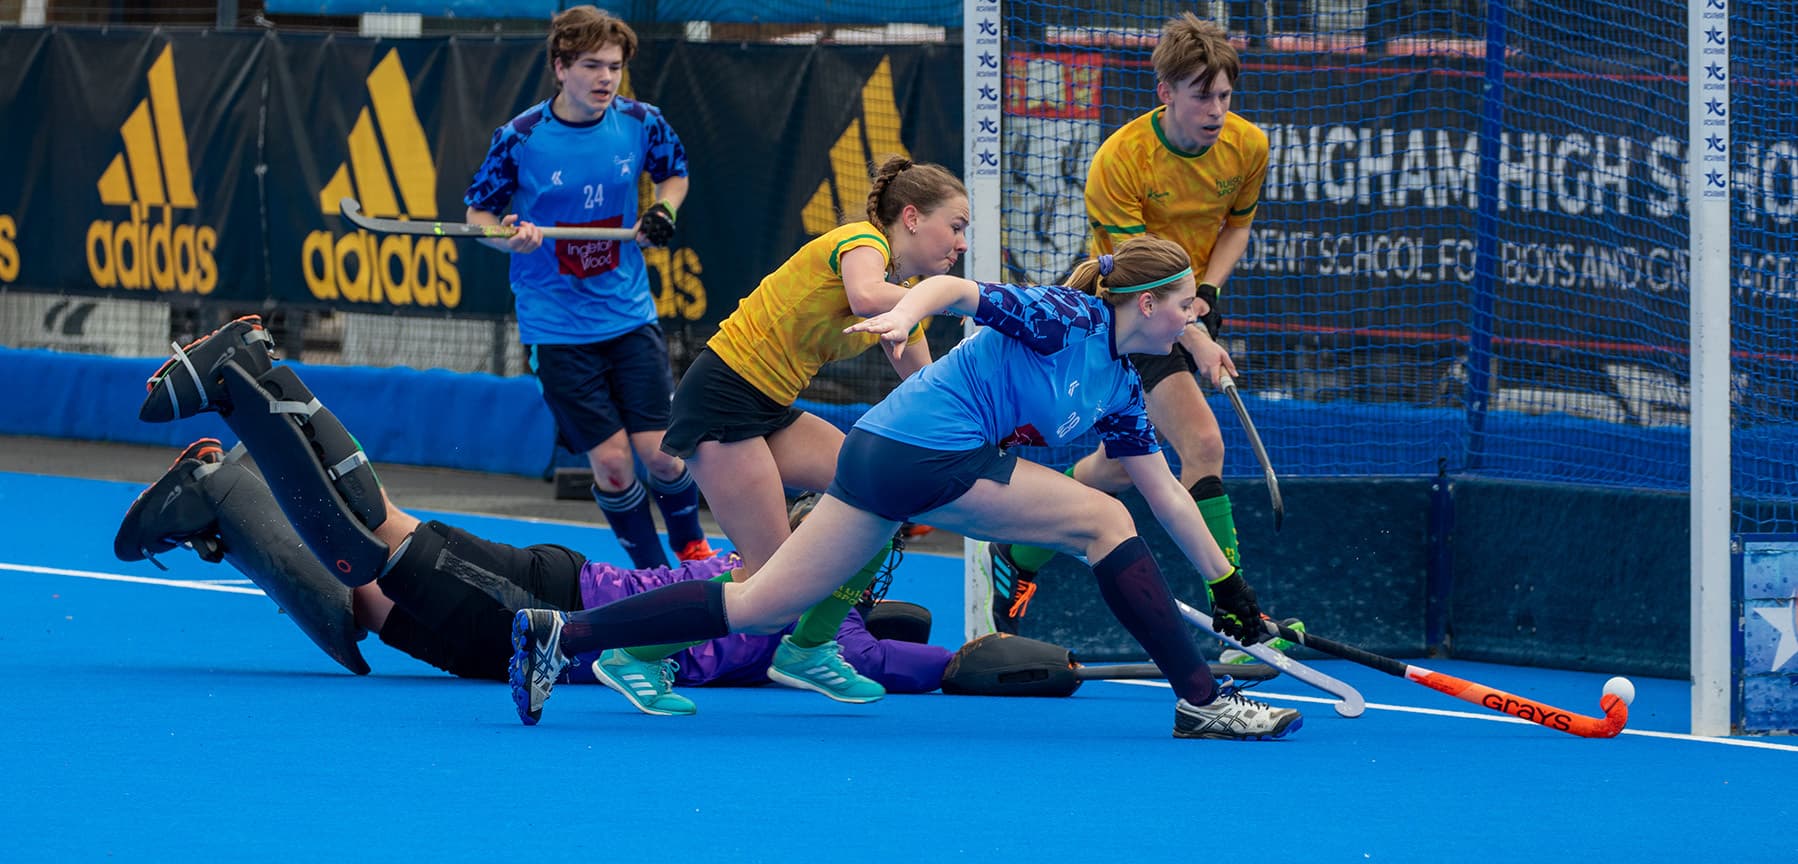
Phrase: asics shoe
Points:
(536, 660)
(1236, 656)
(1235, 717)
(649, 684)
(1008, 588)
(822, 669)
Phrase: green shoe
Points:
(1238, 657)
(822, 669)
(649, 684)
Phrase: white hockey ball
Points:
(1621, 688)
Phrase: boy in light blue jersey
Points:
(1052, 366)
(584, 307)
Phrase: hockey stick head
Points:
(1616, 716)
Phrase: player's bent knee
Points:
(1108, 523)
(1200, 444)
(663, 465)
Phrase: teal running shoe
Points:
(822, 669)
(649, 684)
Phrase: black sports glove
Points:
(1234, 611)
(657, 224)
(1213, 320)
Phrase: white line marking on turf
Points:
(1497, 718)
(141, 580)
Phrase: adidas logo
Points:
(9, 248)
(389, 171)
(152, 175)
(674, 274)
(846, 190)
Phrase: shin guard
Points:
(256, 539)
(319, 474)
(224, 512)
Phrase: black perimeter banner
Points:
(211, 164)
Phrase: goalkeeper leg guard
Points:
(318, 472)
(224, 512)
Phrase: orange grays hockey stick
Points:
(1616, 709)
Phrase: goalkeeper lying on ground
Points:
(320, 536)
(437, 592)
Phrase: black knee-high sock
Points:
(681, 612)
(1132, 585)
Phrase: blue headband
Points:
(1132, 289)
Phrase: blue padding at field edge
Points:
(469, 421)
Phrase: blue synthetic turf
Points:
(156, 722)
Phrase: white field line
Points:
(226, 586)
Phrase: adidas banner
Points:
(139, 175)
(210, 165)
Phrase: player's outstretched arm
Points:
(932, 296)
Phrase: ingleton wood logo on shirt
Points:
(388, 170)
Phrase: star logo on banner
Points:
(1786, 622)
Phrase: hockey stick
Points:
(1348, 700)
(353, 212)
(1248, 426)
(1150, 672)
(1616, 711)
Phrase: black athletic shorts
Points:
(595, 390)
(714, 403)
(517, 577)
(1155, 367)
(455, 595)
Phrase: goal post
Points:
(1507, 241)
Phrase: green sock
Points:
(654, 653)
(1222, 522)
(1032, 558)
(820, 623)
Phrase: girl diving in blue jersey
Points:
(1049, 365)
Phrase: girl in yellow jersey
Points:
(735, 424)
(1189, 171)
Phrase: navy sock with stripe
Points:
(627, 511)
(678, 499)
